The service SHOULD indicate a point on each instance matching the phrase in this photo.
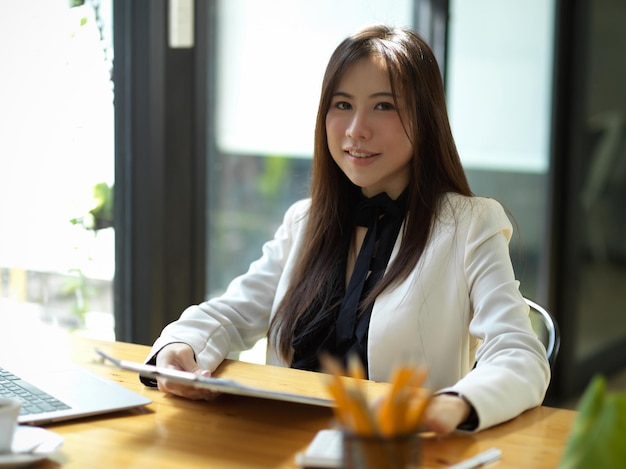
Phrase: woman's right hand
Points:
(181, 357)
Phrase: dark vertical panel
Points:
(576, 296)
(431, 22)
(122, 197)
(559, 266)
(178, 203)
(157, 174)
(205, 109)
(140, 161)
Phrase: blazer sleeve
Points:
(238, 318)
(512, 372)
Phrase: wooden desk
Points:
(240, 432)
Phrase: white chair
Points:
(546, 328)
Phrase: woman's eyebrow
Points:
(342, 94)
(379, 94)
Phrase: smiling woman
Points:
(390, 259)
(366, 135)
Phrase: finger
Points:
(188, 391)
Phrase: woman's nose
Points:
(359, 128)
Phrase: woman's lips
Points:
(360, 153)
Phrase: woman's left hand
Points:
(445, 413)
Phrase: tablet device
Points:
(227, 386)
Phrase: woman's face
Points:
(365, 134)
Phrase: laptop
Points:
(57, 391)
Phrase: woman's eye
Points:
(342, 105)
(385, 106)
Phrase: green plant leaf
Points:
(598, 434)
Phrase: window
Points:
(499, 86)
(56, 142)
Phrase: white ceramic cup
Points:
(9, 411)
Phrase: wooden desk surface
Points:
(241, 432)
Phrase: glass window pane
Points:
(600, 256)
(56, 146)
(499, 87)
(271, 58)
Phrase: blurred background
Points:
(149, 148)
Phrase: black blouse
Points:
(342, 331)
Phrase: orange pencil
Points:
(417, 403)
(362, 418)
(339, 394)
(355, 367)
(386, 412)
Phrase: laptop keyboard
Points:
(34, 400)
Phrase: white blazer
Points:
(459, 307)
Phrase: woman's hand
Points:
(445, 413)
(181, 357)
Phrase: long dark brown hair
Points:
(435, 169)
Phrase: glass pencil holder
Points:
(379, 452)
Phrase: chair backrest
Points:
(546, 328)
